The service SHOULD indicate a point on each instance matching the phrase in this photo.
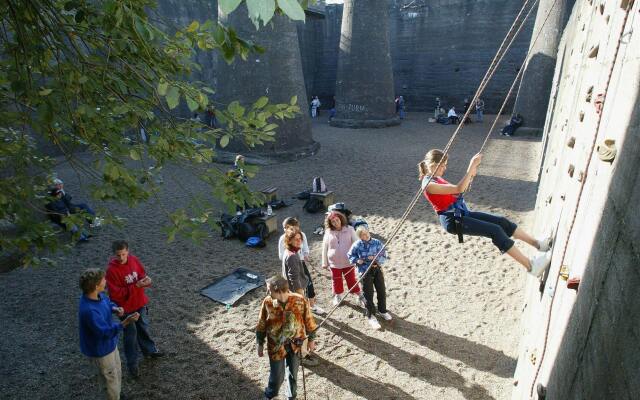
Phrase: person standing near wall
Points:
(479, 109)
(315, 104)
(401, 107)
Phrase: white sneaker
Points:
(539, 264)
(336, 299)
(318, 310)
(544, 244)
(386, 316)
(363, 301)
(374, 323)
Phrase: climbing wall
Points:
(581, 323)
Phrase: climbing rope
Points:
(580, 192)
(496, 61)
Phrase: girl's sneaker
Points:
(386, 316)
(374, 323)
(539, 264)
(318, 310)
(336, 299)
(544, 244)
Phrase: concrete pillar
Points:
(364, 84)
(533, 96)
(277, 74)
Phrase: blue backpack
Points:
(255, 241)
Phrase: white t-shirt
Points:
(452, 113)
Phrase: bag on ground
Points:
(318, 185)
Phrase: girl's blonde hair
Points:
(431, 160)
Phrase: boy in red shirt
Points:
(126, 280)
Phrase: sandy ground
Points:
(456, 307)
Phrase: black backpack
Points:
(313, 205)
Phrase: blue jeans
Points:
(277, 372)
(498, 228)
(84, 207)
(137, 334)
(479, 115)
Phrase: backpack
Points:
(313, 205)
(255, 241)
(318, 185)
(245, 230)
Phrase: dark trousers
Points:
(136, 334)
(374, 278)
(310, 291)
(281, 368)
(496, 227)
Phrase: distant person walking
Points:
(332, 108)
(99, 332)
(401, 107)
(127, 280)
(479, 109)
(315, 105)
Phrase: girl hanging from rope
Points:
(446, 199)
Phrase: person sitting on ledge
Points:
(453, 117)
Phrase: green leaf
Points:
(173, 97)
(218, 35)
(294, 100)
(270, 127)
(227, 6)
(260, 10)
(193, 26)
(261, 102)
(224, 141)
(162, 88)
(45, 92)
(236, 109)
(192, 104)
(292, 9)
(133, 153)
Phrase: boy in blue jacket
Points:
(361, 255)
(99, 332)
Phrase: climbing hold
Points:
(607, 150)
(542, 391)
(624, 4)
(599, 103)
(573, 283)
(580, 176)
(533, 358)
(589, 94)
(571, 142)
(564, 272)
(581, 116)
(571, 170)
(593, 52)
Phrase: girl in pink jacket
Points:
(338, 238)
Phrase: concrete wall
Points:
(593, 343)
(438, 48)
